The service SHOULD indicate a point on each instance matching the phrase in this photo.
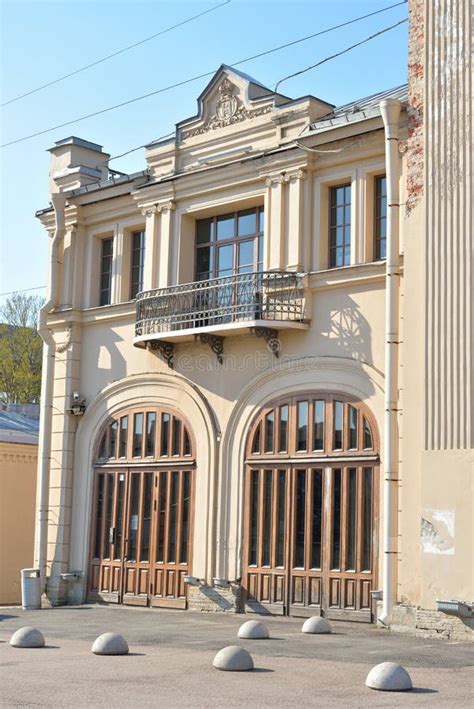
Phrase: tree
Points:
(20, 350)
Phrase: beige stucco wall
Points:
(17, 515)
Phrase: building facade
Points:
(225, 399)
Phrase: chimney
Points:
(76, 162)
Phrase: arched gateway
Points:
(310, 515)
(142, 516)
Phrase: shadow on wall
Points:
(104, 363)
(348, 330)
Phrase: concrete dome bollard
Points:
(316, 625)
(233, 659)
(27, 637)
(389, 677)
(110, 644)
(253, 630)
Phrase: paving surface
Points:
(170, 663)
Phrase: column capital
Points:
(148, 211)
(164, 207)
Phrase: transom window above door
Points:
(312, 425)
(229, 244)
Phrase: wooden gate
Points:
(310, 534)
(143, 516)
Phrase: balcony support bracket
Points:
(215, 342)
(270, 335)
(164, 349)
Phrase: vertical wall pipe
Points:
(390, 109)
(47, 383)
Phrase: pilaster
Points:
(275, 218)
(152, 258)
(165, 209)
(297, 222)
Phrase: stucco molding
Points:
(161, 389)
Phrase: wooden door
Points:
(310, 543)
(142, 540)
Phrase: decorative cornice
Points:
(18, 458)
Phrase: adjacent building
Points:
(256, 377)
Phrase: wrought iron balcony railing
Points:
(273, 296)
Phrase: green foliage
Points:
(21, 350)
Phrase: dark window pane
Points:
(123, 437)
(253, 537)
(246, 255)
(173, 517)
(165, 433)
(102, 447)
(163, 495)
(247, 222)
(302, 426)
(380, 217)
(99, 513)
(367, 435)
(367, 521)
(137, 435)
(280, 532)
(261, 220)
(336, 520)
(225, 227)
(146, 523)
(338, 419)
(113, 439)
(300, 518)
(203, 260)
(119, 517)
(183, 556)
(318, 432)
(269, 426)
(353, 427)
(267, 517)
(133, 524)
(351, 519)
(176, 436)
(187, 442)
(138, 258)
(256, 440)
(150, 433)
(204, 231)
(316, 526)
(283, 429)
(106, 271)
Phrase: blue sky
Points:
(44, 40)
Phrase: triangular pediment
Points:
(230, 97)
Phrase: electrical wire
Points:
(24, 290)
(338, 54)
(206, 74)
(114, 54)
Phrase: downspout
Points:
(47, 381)
(390, 110)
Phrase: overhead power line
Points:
(210, 73)
(338, 54)
(115, 54)
(24, 290)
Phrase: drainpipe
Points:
(390, 109)
(47, 381)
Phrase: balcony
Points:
(231, 305)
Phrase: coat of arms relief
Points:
(228, 110)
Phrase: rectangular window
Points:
(123, 437)
(106, 271)
(150, 434)
(380, 217)
(351, 519)
(280, 532)
(228, 244)
(300, 519)
(336, 520)
(254, 503)
(340, 226)
(113, 439)
(317, 519)
(283, 429)
(338, 423)
(352, 427)
(269, 431)
(137, 260)
(302, 424)
(318, 426)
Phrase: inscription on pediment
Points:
(228, 110)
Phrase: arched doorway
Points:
(310, 513)
(142, 516)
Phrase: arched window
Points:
(312, 425)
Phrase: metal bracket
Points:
(215, 342)
(165, 350)
(271, 338)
